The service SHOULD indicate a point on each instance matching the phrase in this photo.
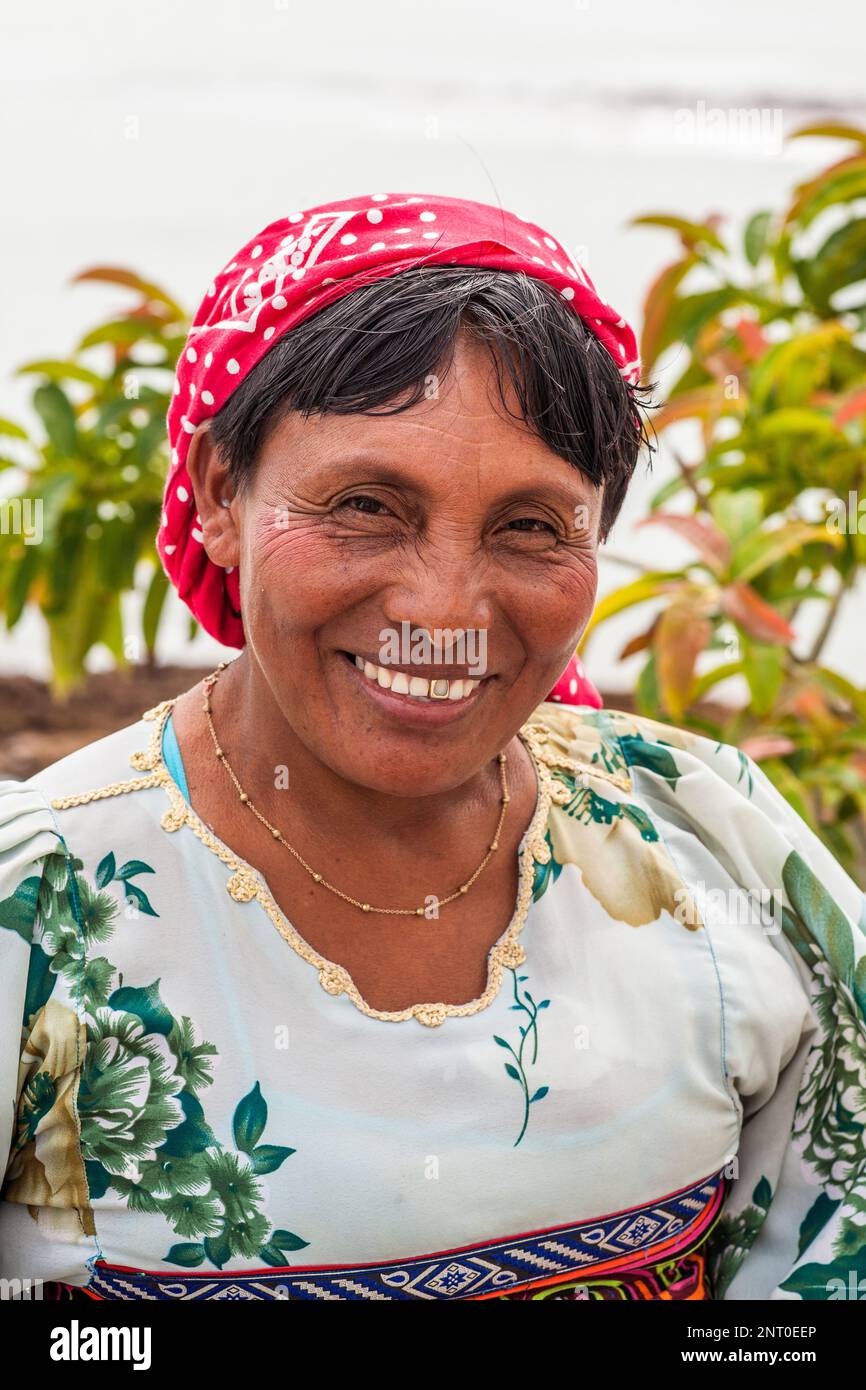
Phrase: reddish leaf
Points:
(851, 407)
(710, 542)
(657, 306)
(757, 617)
(767, 746)
(682, 634)
(639, 643)
(752, 337)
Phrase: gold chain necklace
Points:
(208, 684)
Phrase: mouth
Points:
(434, 697)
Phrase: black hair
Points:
(390, 336)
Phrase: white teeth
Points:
(416, 687)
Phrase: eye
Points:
(362, 502)
(534, 523)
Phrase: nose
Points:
(441, 591)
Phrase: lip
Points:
(412, 711)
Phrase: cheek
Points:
(555, 611)
(291, 578)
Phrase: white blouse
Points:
(661, 1092)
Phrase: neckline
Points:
(247, 884)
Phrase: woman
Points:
(363, 970)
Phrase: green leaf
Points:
(185, 1254)
(218, 1248)
(763, 1194)
(41, 980)
(267, 1158)
(153, 605)
(755, 236)
(638, 591)
(512, 1071)
(140, 898)
(757, 552)
(860, 985)
(17, 914)
(738, 512)
(821, 914)
(133, 866)
(286, 1240)
(655, 757)
(692, 233)
(250, 1119)
(144, 1004)
(57, 370)
(764, 669)
(57, 415)
(647, 689)
(98, 1179)
(272, 1255)
(193, 1134)
(828, 1282)
(105, 870)
(840, 262)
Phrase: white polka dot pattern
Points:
(298, 265)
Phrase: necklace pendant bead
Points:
(365, 907)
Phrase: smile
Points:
(415, 687)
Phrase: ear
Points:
(215, 499)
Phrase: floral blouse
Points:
(660, 1094)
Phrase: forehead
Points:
(461, 416)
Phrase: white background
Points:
(161, 136)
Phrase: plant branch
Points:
(831, 615)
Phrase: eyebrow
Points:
(374, 466)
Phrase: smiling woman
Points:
(368, 967)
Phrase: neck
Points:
(256, 739)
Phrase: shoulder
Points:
(116, 758)
(614, 744)
(67, 804)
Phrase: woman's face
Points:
(359, 531)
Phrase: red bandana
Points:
(297, 266)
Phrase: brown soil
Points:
(36, 730)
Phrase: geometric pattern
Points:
(650, 1251)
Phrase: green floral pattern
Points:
(516, 1069)
(142, 1076)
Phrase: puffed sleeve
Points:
(29, 843)
(793, 975)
